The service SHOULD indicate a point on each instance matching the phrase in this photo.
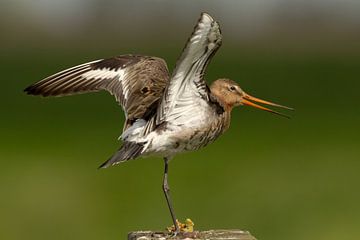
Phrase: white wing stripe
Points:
(126, 89)
(104, 73)
(121, 73)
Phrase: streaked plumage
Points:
(164, 115)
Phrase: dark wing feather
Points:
(137, 82)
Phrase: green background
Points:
(280, 179)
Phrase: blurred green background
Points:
(280, 179)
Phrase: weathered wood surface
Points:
(196, 235)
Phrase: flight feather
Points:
(136, 81)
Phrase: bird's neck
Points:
(221, 99)
(226, 120)
(223, 116)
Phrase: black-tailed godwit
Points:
(165, 114)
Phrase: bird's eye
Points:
(232, 88)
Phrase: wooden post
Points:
(196, 235)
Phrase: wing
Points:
(187, 89)
(137, 82)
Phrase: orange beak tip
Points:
(247, 98)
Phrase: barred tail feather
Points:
(128, 151)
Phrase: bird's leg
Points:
(166, 190)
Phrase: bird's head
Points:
(229, 93)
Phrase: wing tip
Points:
(30, 90)
(207, 19)
(34, 90)
(205, 15)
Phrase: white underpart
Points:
(183, 123)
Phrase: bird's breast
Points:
(198, 133)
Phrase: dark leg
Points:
(167, 195)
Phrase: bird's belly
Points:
(170, 142)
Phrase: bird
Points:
(165, 114)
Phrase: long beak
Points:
(247, 98)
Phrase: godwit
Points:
(165, 115)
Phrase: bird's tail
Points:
(128, 151)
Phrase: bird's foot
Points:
(187, 227)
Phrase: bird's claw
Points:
(186, 227)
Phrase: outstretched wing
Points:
(137, 82)
(187, 89)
